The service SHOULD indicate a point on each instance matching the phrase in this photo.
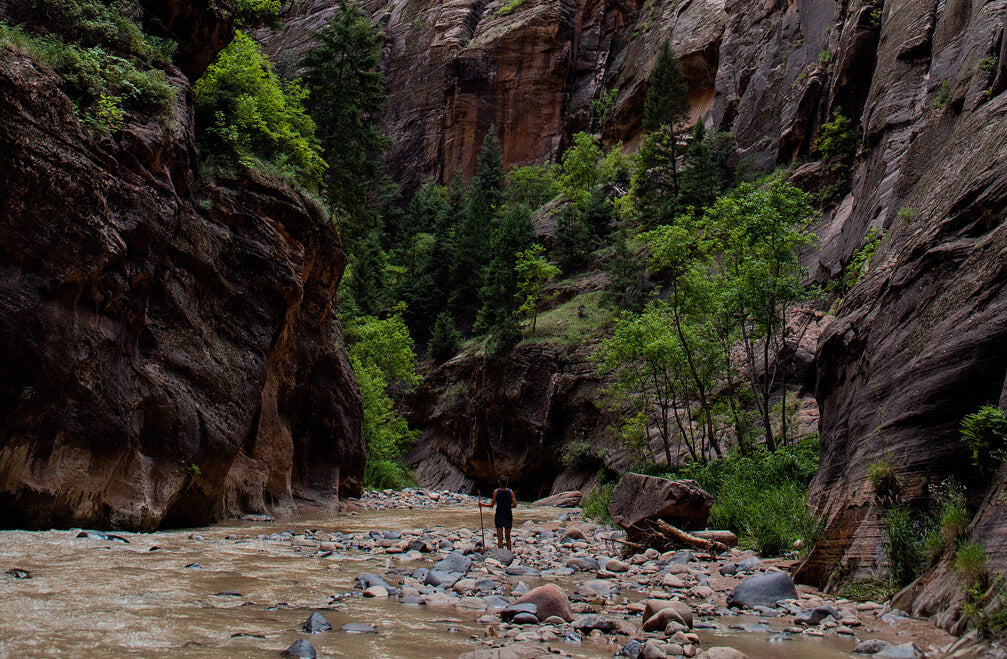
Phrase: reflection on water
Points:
(141, 599)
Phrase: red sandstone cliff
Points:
(171, 351)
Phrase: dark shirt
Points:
(503, 502)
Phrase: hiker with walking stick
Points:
(503, 519)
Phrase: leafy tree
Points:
(702, 179)
(580, 169)
(598, 214)
(381, 355)
(759, 234)
(533, 185)
(626, 273)
(667, 106)
(445, 340)
(347, 98)
(499, 292)
(573, 240)
(533, 273)
(243, 106)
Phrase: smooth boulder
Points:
(454, 562)
(764, 589)
(569, 499)
(549, 600)
(502, 556)
(315, 623)
(301, 649)
(638, 499)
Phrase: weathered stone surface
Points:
(549, 600)
(168, 361)
(569, 499)
(763, 589)
(638, 499)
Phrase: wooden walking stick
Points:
(482, 528)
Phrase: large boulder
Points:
(764, 589)
(569, 499)
(638, 499)
(550, 600)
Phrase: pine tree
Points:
(598, 214)
(498, 294)
(366, 284)
(702, 178)
(347, 98)
(573, 241)
(667, 106)
(445, 339)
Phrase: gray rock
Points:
(485, 585)
(300, 648)
(904, 651)
(525, 618)
(585, 624)
(102, 535)
(583, 563)
(766, 589)
(315, 623)
(681, 557)
(504, 556)
(816, 615)
(631, 649)
(365, 581)
(445, 545)
(414, 600)
(454, 562)
(520, 589)
(870, 646)
(357, 628)
(441, 579)
(512, 610)
(521, 571)
(18, 573)
(494, 602)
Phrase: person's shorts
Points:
(503, 521)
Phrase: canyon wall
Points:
(172, 353)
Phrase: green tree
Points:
(532, 185)
(760, 233)
(667, 106)
(347, 98)
(626, 273)
(579, 172)
(598, 214)
(242, 106)
(533, 272)
(573, 240)
(382, 358)
(499, 292)
(702, 178)
(366, 285)
(445, 339)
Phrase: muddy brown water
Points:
(89, 597)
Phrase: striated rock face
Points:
(921, 341)
(171, 351)
(480, 418)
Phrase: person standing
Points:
(503, 519)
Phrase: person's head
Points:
(503, 482)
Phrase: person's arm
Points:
(513, 499)
(492, 502)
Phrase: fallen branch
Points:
(664, 537)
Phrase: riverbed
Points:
(234, 589)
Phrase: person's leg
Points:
(500, 537)
(507, 531)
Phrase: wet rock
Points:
(525, 618)
(454, 562)
(484, 585)
(815, 615)
(573, 533)
(228, 593)
(681, 557)
(587, 623)
(494, 602)
(721, 652)
(419, 545)
(101, 535)
(357, 628)
(503, 556)
(414, 600)
(631, 649)
(653, 649)
(597, 588)
(616, 566)
(365, 581)
(638, 499)
(904, 651)
(440, 579)
(315, 623)
(765, 589)
(18, 573)
(583, 564)
(550, 600)
(300, 648)
(553, 620)
(520, 589)
(683, 612)
(870, 646)
(660, 620)
(569, 499)
(521, 571)
(376, 591)
(512, 610)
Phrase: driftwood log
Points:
(664, 537)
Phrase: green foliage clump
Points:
(986, 607)
(531, 185)
(445, 339)
(595, 504)
(576, 454)
(511, 6)
(382, 358)
(837, 142)
(883, 478)
(868, 590)
(107, 62)
(970, 562)
(533, 272)
(944, 95)
(904, 545)
(243, 107)
(985, 432)
(762, 497)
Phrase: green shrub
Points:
(904, 545)
(762, 497)
(511, 6)
(868, 590)
(383, 474)
(576, 454)
(595, 504)
(953, 516)
(985, 432)
(944, 95)
(970, 563)
(883, 478)
(986, 608)
(242, 105)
